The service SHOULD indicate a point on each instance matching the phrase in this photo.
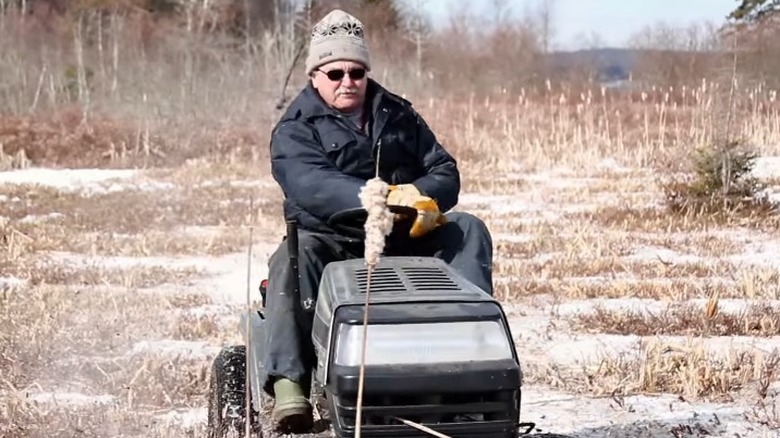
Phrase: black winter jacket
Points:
(321, 162)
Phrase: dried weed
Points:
(658, 367)
(687, 319)
(130, 277)
(583, 288)
(652, 219)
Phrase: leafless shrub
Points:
(765, 414)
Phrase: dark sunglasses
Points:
(338, 74)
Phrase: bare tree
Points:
(418, 30)
(671, 55)
(501, 12)
(545, 15)
(261, 16)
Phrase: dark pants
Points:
(464, 243)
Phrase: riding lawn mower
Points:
(439, 352)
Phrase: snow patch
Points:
(12, 283)
(247, 183)
(622, 305)
(227, 277)
(85, 181)
(554, 181)
(650, 253)
(209, 311)
(766, 168)
(36, 219)
(65, 179)
(5, 198)
(185, 418)
(73, 399)
(482, 199)
(127, 262)
(514, 238)
(612, 165)
(570, 350)
(142, 186)
(639, 416)
(759, 253)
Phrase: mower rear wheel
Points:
(227, 395)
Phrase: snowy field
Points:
(120, 286)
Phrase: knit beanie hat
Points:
(337, 37)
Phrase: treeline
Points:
(497, 53)
(239, 18)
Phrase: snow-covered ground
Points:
(539, 326)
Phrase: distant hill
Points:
(612, 64)
(615, 65)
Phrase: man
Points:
(323, 151)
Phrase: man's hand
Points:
(428, 215)
(404, 194)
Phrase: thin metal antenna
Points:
(361, 377)
(362, 374)
(248, 352)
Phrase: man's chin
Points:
(348, 102)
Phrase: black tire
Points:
(227, 395)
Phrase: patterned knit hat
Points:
(337, 37)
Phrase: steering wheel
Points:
(351, 222)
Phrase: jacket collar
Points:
(308, 105)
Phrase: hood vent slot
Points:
(405, 278)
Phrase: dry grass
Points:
(558, 266)
(32, 420)
(135, 211)
(599, 242)
(662, 289)
(39, 420)
(56, 138)
(750, 284)
(137, 222)
(657, 367)
(193, 241)
(50, 323)
(682, 319)
(54, 337)
(654, 219)
(197, 327)
(130, 278)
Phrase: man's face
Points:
(346, 93)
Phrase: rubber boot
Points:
(292, 411)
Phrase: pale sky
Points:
(613, 20)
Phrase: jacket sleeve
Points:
(307, 175)
(442, 178)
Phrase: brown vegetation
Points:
(689, 370)
(684, 319)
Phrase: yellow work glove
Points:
(428, 215)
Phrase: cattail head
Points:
(380, 220)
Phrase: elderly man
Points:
(323, 150)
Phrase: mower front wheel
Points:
(227, 395)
